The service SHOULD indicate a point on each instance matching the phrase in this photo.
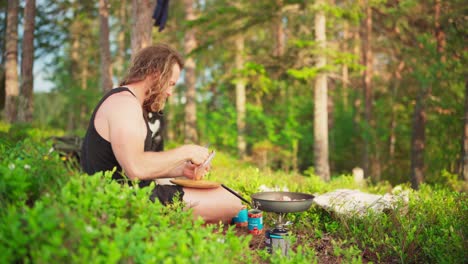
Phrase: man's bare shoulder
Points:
(120, 109)
(123, 101)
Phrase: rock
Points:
(354, 202)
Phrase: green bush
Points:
(52, 213)
(446, 179)
(21, 131)
(94, 219)
(29, 170)
(431, 228)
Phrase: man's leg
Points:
(213, 205)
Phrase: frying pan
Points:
(278, 202)
(282, 202)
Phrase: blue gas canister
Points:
(241, 220)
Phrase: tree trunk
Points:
(85, 75)
(322, 168)
(279, 32)
(356, 98)
(11, 65)
(367, 58)
(464, 161)
(331, 91)
(240, 97)
(121, 44)
(106, 65)
(76, 68)
(419, 118)
(190, 78)
(142, 24)
(418, 140)
(344, 68)
(391, 164)
(25, 107)
(393, 122)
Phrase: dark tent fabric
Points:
(160, 13)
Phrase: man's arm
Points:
(127, 133)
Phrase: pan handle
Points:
(236, 194)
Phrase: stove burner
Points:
(281, 223)
(278, 238)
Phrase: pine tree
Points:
(11, 64)
(26, 100)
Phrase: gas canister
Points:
(277, 239)
(241, 220)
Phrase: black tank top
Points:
(97, 154)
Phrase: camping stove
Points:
(278, 237)
(280, 203)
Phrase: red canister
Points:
(255, 224)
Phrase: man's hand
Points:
(191, 171)
(196, 154)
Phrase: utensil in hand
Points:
(200, 170)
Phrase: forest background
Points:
(318, 87)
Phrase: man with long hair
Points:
(124, 134)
